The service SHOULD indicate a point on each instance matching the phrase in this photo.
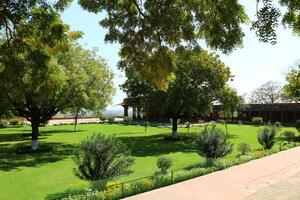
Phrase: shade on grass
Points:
(48, 174)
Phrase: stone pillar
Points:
(281, 116)
(134, 113)
(139, 113)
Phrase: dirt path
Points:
(239, 182)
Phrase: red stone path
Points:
(238, 182)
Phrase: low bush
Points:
(111, 119)
(240, 122)
(266, 136)
(244, 149)
(103, 118)
(101, 158)
(14, 121)
(164, 164)
(3, 123)
(278, 125)
(289, 135)
(212, 143)
(257, 120)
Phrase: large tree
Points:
(148, 29)
(198, 80)
(42, 75)
(292, 88)
(269, 93)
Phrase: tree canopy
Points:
(292, 88)
(230, 102)
(149, 29)
(269, 93)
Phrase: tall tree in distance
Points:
(292, 88)
(198, 80)
(269, 93)
(44, 75)
(231, 102)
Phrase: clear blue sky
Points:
(252, 65)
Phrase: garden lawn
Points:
(48, 174)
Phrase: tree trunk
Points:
(34, 135)
(76, 120)
(174, 128)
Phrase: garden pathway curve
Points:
(245, 181)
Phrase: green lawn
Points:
(49, 174)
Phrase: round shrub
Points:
(212, 143)
(164, 163)
(14, 121)
(101, 158)
(3, 124)
(257, 120)
(266, 136)
(244, 148)
(289, 135)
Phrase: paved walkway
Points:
(276, 177)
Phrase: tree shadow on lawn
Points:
(155, 145)
(12, 157)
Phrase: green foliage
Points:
(257, 120)
(111, 119)
(3, 123)
(212, 144)
(266, 136)
(289, 135)
(230, 102)
(100, 158)
(157, 30)
(291, 89)
(278, 125)
(199, 78)
(244, 148)
(164, 163)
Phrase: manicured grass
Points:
(48, 174)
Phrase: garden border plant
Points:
(144, 184)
